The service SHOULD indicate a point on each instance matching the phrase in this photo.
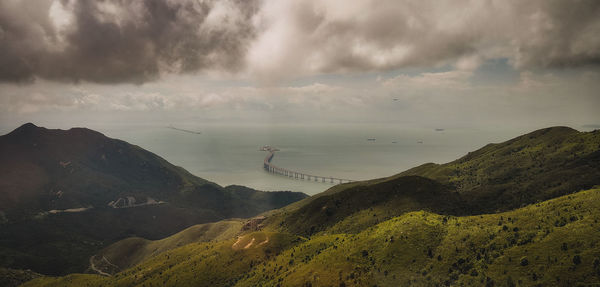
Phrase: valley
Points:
(66, 194)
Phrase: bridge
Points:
(269, 167)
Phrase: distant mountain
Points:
(64, 194)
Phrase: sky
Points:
(450, 64)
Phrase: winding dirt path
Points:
(93, 266)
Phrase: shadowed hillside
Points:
(357, 207)
(65, 194)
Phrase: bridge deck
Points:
(268, 166)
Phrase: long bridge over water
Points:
(268, 166)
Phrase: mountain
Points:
(553, 243)
(537, 166)
(358, 206)
(129, 252)
(434, 225)
(65, 194)
(10, 277)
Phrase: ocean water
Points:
(229, 154)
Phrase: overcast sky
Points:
(416, 63)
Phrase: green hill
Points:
(11, 277)
(537, 166)
(356, 207)
(66, 194)
(531, 168)
(131, 251)
(430, 226)
(550, 243)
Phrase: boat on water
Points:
(183, 130)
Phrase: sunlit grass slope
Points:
(555, 242)
(131, 251)
(533, 167)
(357, 207)
(538, 166)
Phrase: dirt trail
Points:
(250, 244)
(264, 242)
(237, 242)
(110, 263)
(93, 266)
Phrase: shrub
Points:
(524, 261)
(576, 260)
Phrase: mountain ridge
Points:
(425, 226)
(97, 190)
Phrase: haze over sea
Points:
(229, 154)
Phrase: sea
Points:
(230, 154)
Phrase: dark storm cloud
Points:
(122, 41)
(559, 34)
(137, 41)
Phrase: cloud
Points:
(310, 37)
(557, 34)
(138, 41)
(121, 41)
(456, 79)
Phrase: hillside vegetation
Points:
(66, 194)
(131, 251)
(531, 168)
(12, 277)
(537, 166)
(464, 223)
(550, 243)
(360, 206)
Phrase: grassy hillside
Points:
(131, 251)
(428, 226)
(66, 194)
(531, 168)
(555, 242)
(537, 166)
(12, 278)
(356, 207)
